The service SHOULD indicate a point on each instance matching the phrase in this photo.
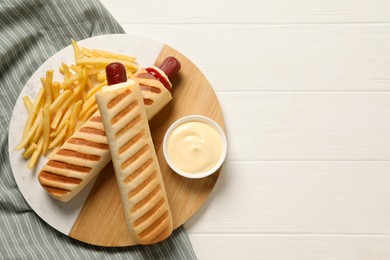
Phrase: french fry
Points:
(86, 116)
(46, 88)
(64, 69)
(46, 128)
(36, 154)
(73, 118)
(67, 83)
(61, 98)
(87, 52)
(89, 113)
(89, 84)
(75, 68)
(60, 111)
(57, 140)
(55, 89)
(95, 89)
(61, 124)
(104, 62)
(84, 77)
(49, 76)
(49, 81)
(96, 70)
(24, 142)
(27, 103)
(101, 76)
(87, 105)
(37, 133)
(79, 124)
(77, 90)
(29, 151)
(76, 49)
(83, 96)
(112, 55)
(57, 118)
(32, 115)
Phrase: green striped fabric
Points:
(31, 32)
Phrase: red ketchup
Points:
(116, 72)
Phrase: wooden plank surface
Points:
(298, 197)
(304, 88)
(307, 126)
(249, 11)
(291, 57)
(101, 220)
(290, 247)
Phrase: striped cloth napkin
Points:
(31, 32)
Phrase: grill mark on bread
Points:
(124, 112)
(148, 101)
(118, 98)
(134, 157)
(71, 153)
(68, 166)
(57, 191)
(145, 75)
(131, 142)
(59, 178)
(164, 231)
(84, 142)
(91, 130)
(96, 119)
(146, 199)
(140, 187)
(149, 214)
(128, 126)
(140, 170)
(155, 225)
(150, 88)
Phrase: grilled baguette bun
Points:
(77, 162)
(82, 157)
(155, 95)
(135, 162)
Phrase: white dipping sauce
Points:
(194, 147)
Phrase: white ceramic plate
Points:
(61, 216)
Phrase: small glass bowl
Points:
(196, 118)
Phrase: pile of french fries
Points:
(60, 108)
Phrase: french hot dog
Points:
(80, 159)
(137, 170)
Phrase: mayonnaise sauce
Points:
(194, 147)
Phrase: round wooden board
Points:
(101, 220)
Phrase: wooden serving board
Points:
(101, 220)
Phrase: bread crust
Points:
(136, 165)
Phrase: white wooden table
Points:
(305, 90)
